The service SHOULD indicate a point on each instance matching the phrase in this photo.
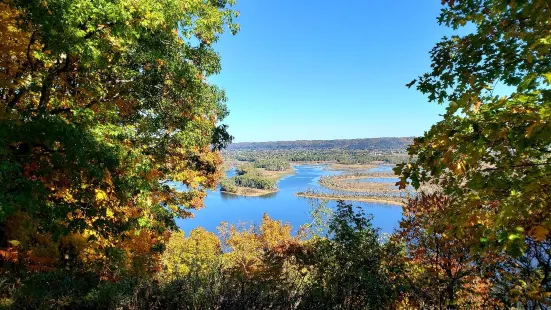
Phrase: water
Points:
(283, 205)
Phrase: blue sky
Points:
(324, 69)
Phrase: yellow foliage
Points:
(13, 46)
(196, 253)
(139, 258)
(539, 233)
(246, 250)
(100, 195)
(246, 247)
(273, 233)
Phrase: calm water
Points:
(283, 205)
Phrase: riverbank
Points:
(353, 167)
(362, 187)
(277, 175)
(392, 201)
(251, 192)
(345, 182)
(353, 185)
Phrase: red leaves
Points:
(9, 255)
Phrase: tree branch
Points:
(15, 99)
(517, 166)
(29, 60)
(45, 91)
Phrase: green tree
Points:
(348, 265)
(272, 164)
(491, 152)
(247, 176)
(101, 104)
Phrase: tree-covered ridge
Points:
(101, 103)
(341, 156)
(372, 144)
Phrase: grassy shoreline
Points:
(255, 192)
(394, 202)
(251, 192)
(277, 175)
(354, 167)
(377, 192)
(371, 187)
(341, 182)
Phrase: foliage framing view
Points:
(491, 154)
(104, 102)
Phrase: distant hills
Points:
(373, 144)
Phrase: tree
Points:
(193, 254)
(101, 104)
(437, 268)
(490, 152)
(260, 266)
(348, 265)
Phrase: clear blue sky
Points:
(324, 69)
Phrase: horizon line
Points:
(340, 139)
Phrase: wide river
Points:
(283, 205)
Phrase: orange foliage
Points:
(439, 266)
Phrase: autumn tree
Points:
(101, 104)
(491, 151)
(256, 265)
(437, 268)
(192, 254)
(347, 264)
(191, 269)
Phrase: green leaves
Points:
(491, 152)
(103, 102)
(349, 263)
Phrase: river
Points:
(283, 205)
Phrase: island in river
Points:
(332, 196)
(252, 181)
(284, 205)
